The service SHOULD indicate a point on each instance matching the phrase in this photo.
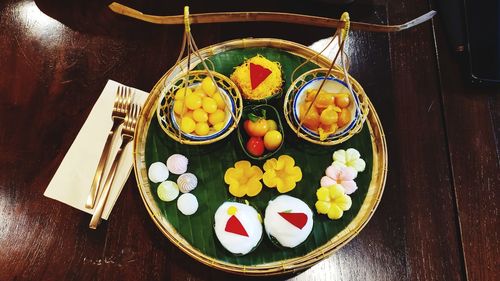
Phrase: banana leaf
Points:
(209, 163)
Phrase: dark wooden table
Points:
(438, 218)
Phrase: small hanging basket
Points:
(297, 94)
(170, 122)
(327, 106)
(198, 106)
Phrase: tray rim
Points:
(368, 207)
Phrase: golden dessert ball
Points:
(187, 125)
(188, 113)
(181, 93)
(219, 100)
(193, 101)
(344, 117)
(219, 126)
(199, 91)
(199, 115)
(324, 99)
(179, 107)
(202, 129)
(208, 86)
(330, 129)
(216, 117)
(329, 116)
(311, 121)
(209, 105)
(342, 100)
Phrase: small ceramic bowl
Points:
(331, 85)
(228, 122)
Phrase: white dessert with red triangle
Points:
(288, 221)
(238, 227)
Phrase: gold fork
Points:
(127, 135)
(120, 108)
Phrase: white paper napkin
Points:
(72, 180)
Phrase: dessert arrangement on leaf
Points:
(231, 180)
(323, 107)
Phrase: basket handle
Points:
(269, 17)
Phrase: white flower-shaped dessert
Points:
(349, 158)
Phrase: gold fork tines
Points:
(127, 135)
(120, 107)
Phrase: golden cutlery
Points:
(127, 135)
(120, 108)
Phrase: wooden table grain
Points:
(438, 218)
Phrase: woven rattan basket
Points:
(359, 99)
(165, 114)
(373, 196)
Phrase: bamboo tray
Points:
(194, 234)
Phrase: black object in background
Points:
(483, 36)
(451, 13)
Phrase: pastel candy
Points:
(158, 172)
(168, 191)
(187, 182)
(187, 204)
(177, 164)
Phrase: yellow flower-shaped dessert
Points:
(332, 201)
(282, 173)
(243, 179)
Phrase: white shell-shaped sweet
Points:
(158, 172)
(168, 191)
(187, 204)
(187, 182)
(177, 164)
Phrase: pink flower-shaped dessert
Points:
(340, 175)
